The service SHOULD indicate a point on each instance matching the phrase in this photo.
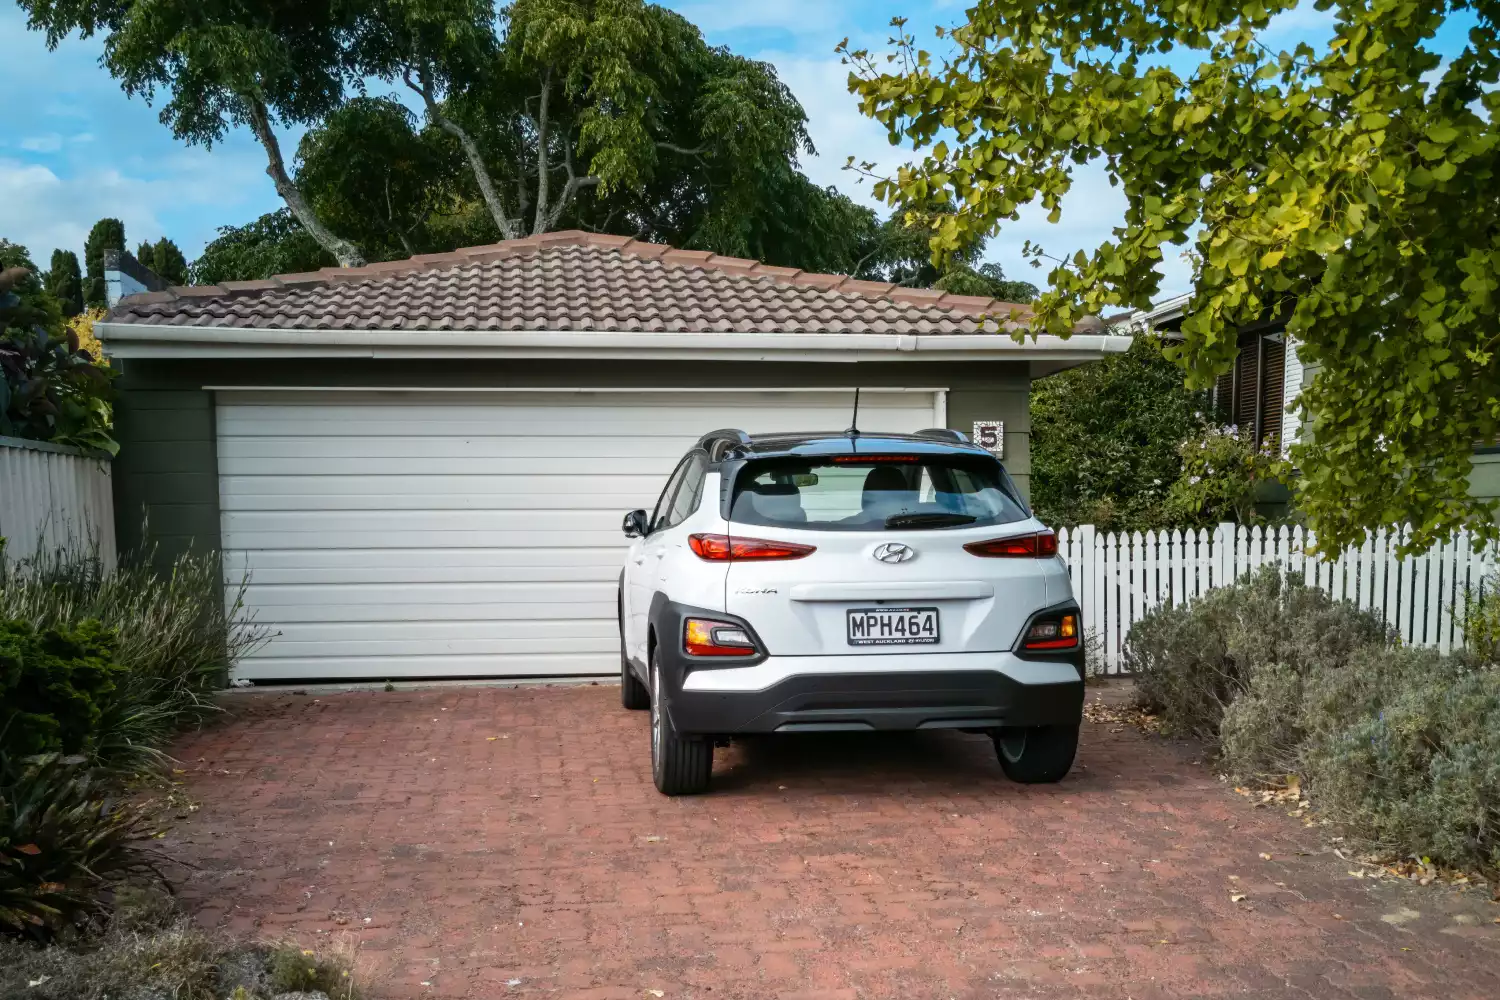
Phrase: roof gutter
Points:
(128, 340)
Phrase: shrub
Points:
(174, 638)
(164, 957)
(52, 684)
(1192, 660)
(1482, 619)
(1418, 771)
(64, 845)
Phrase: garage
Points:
(418, 468)
(421, 534)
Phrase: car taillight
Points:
(1060, 632)
(706, 637)
(1037, 546)
(723, 548)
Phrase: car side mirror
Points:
(634, 525)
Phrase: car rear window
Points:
(858, 493)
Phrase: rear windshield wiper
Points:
(939, 520)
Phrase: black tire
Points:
(633, 694)
(1035, 755)
(680, 765)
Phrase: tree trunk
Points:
(540, 224)
(346, 253)
(508, 230)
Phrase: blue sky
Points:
(74, 148)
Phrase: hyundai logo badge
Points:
(894, 552)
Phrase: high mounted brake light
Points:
(871, 459)
(1041, 545)
(724, 548)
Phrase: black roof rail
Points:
(716, 443)
(943, 434)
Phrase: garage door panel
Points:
(264, 595)
(389, 535)
(415, 539)
(603, 463)
(363, 668)
(383, 523)
(331, 611)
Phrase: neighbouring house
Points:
(422, 465)
(1267, 377)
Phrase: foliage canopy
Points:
(1351, 189)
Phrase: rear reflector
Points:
(723, 548)
(1041, 545)
(706, 637)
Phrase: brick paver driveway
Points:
(489, 842)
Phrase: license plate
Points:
(892, 626)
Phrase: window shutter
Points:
(1273, 370)
(1247, 388)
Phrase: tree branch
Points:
(423, 85)
(346, 253)
(542, 221)
(685, 151)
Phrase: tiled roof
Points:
(570, 281)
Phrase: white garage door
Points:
(406, 534)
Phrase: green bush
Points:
(1481, 619)
(65, 844)
(173, 638)
(1400, 746)
(53, 682)
(1193, 660)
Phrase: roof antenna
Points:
(853, 431)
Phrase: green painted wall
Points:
(166, 475)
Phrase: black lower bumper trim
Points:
(960, 699)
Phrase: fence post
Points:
(1223, 550)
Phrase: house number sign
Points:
(990, 435)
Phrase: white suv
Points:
(820, 582)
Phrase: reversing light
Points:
(1041, 545)
(1060, 632)
(724, 548)
(706, 637)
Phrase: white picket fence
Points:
(1117, 578)
(53, 497)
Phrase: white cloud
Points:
(48, 143)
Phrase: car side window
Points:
(689, 493)
(664, 502)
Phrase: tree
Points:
(1105, 437)
(106, 234)
(275, 243)
(164, 260)
(50, 390)
(371, 174)
(610, 114)
(254, 63)
(64, 282)
(1350, 189)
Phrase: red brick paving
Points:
(495, 842)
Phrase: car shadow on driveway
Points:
(862, 762)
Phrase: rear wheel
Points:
(1036, 755)
(633, 694)
(680, 765)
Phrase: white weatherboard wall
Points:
(1118, 578)
(445, 534)
(54, 498)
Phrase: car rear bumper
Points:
(882, 692)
